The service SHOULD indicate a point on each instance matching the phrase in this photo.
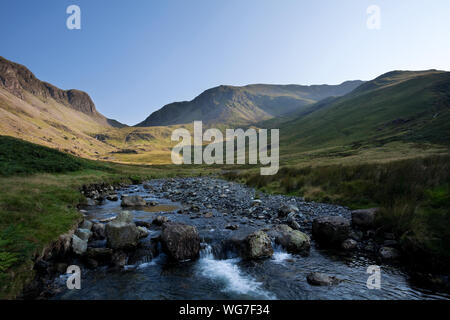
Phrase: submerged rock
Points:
(331, 231)
(180, 241)
(133, 201)
(321, 279)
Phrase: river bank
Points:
(226, 216)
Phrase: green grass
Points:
(39, 193)
(18, 157)
(413, 194)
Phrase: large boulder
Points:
(364, 218)
(122, 233)
(331, 231)
(257, 246)
(180, 241)
(79, 246)
(291, 240)
(133, 201)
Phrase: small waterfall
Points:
(280, 255)
(228, 272)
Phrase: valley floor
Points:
(40, 192)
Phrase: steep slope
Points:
(399, 106)
(39, 112)
(244, 105)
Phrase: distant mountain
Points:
(245, 105)
(18, 80)
(39, 112)
(407, 106)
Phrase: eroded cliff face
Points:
(17, 79)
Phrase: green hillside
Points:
(398, 106)
(19, 157)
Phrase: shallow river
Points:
(210, 277)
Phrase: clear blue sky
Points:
(135, 56)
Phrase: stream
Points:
(222, 274)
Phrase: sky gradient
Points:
(133, 57)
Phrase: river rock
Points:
(143, 232)
(122, 232)
(293, 223)
(133, 201)
(258, 245)
(364, 218)
(180, 241)
(291, 240)
(83, 234)
(112, 197)
(144, 224)
(387, 253)
(86, 224)
(119, 259)
(160, 220)
(321, 279)
(90, 202)
(98, 230)
(331, 231)
(103, 255)
(79, 246)
(349, 244)
(285, 209)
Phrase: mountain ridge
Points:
(18, 79)
(248, 104)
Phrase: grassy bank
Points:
(39, 192)
(414, 196)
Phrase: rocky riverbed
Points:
(205, 238)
